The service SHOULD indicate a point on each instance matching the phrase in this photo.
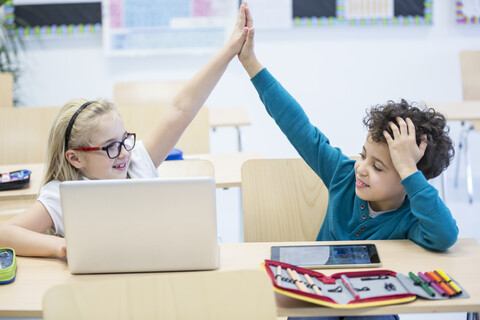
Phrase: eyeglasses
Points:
(113, 149)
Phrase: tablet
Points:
(328, 256)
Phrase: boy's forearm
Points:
(252, 66)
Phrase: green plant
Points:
(10, 43)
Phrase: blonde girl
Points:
(88, 140)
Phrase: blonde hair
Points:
(56, 165)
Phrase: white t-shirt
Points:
(141, 166)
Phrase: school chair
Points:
(240, 294)
(24, 134)
(283, 200)
(145, 93)
(142, 119)
(161, 93)
(470, 73)
(6, 89)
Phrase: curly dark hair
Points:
(427, 122)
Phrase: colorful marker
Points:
(421, 283)
(450, 281)
(448, 290)
(431, 281)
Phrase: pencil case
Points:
(356, 289)
(14, 180)
(8, 265)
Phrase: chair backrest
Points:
(186, 168)
(195, 139)
(24, 134)
(470, 70)
(145, 93)
(243, 294)
(283, 200)
(6, 89)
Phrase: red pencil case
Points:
(357, 289)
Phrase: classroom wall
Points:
(334, 72)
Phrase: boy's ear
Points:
(74, 159)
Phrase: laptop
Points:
(140, 225)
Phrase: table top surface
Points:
(468, 110)
(35, 276)
(228, 117)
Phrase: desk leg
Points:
(443, 186)
(463, 144)
(473, 316)
(239, 135)
(468, 168)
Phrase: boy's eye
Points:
(362, 155)
(376, 168)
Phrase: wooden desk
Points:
(227, 166)
(229, 117)
(23, 297)
(460, 111)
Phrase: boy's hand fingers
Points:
(402, 125)
(395, 129)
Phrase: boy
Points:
(385, 194)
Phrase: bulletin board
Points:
(139, 27)
(468, 11)
(286, 14)
(54, 17)
(362, 12)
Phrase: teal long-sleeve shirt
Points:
(423, 217)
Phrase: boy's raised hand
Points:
(404, 151)
(247, 54)
(239, 33)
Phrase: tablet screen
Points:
(327, 255)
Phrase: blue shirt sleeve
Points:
(435, 227)
(308, 140)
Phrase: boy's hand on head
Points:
(404, 151)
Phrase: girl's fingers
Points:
(249, 19)
(241, 19)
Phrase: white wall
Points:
(334, 72)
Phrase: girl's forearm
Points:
(30, 243)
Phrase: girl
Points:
(88, 140)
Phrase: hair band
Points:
(72, 120)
